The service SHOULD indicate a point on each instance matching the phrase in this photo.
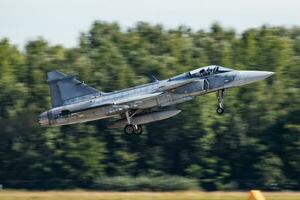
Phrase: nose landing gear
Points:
(220, 98)
(220, 110)
(132, 129)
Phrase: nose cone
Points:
(246, 77)
(43, 119)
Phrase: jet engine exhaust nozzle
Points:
(43, 119)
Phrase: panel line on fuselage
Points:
(149, 87)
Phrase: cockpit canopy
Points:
(202, 72)
(208, 70)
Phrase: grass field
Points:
(88, 195)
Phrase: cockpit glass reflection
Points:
(209, 70)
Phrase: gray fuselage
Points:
(169, 92)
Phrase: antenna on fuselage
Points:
(154, 78)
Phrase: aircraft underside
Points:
(75, 102)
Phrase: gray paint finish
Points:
(76, 102)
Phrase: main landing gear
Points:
(132, 129)
(220, 98)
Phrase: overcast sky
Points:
(61, 21)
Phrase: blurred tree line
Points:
(256, 143)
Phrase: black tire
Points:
(138, 130)
(129, 129)
(220, 110)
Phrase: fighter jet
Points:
(74, 102)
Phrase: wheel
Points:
(220, 110)
(138, 130)
(129, 129)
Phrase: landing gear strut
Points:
(220, 98)
(138, 130)
(132, 129)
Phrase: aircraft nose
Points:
(43, 119)
(246, 77)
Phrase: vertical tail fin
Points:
(64, 87)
